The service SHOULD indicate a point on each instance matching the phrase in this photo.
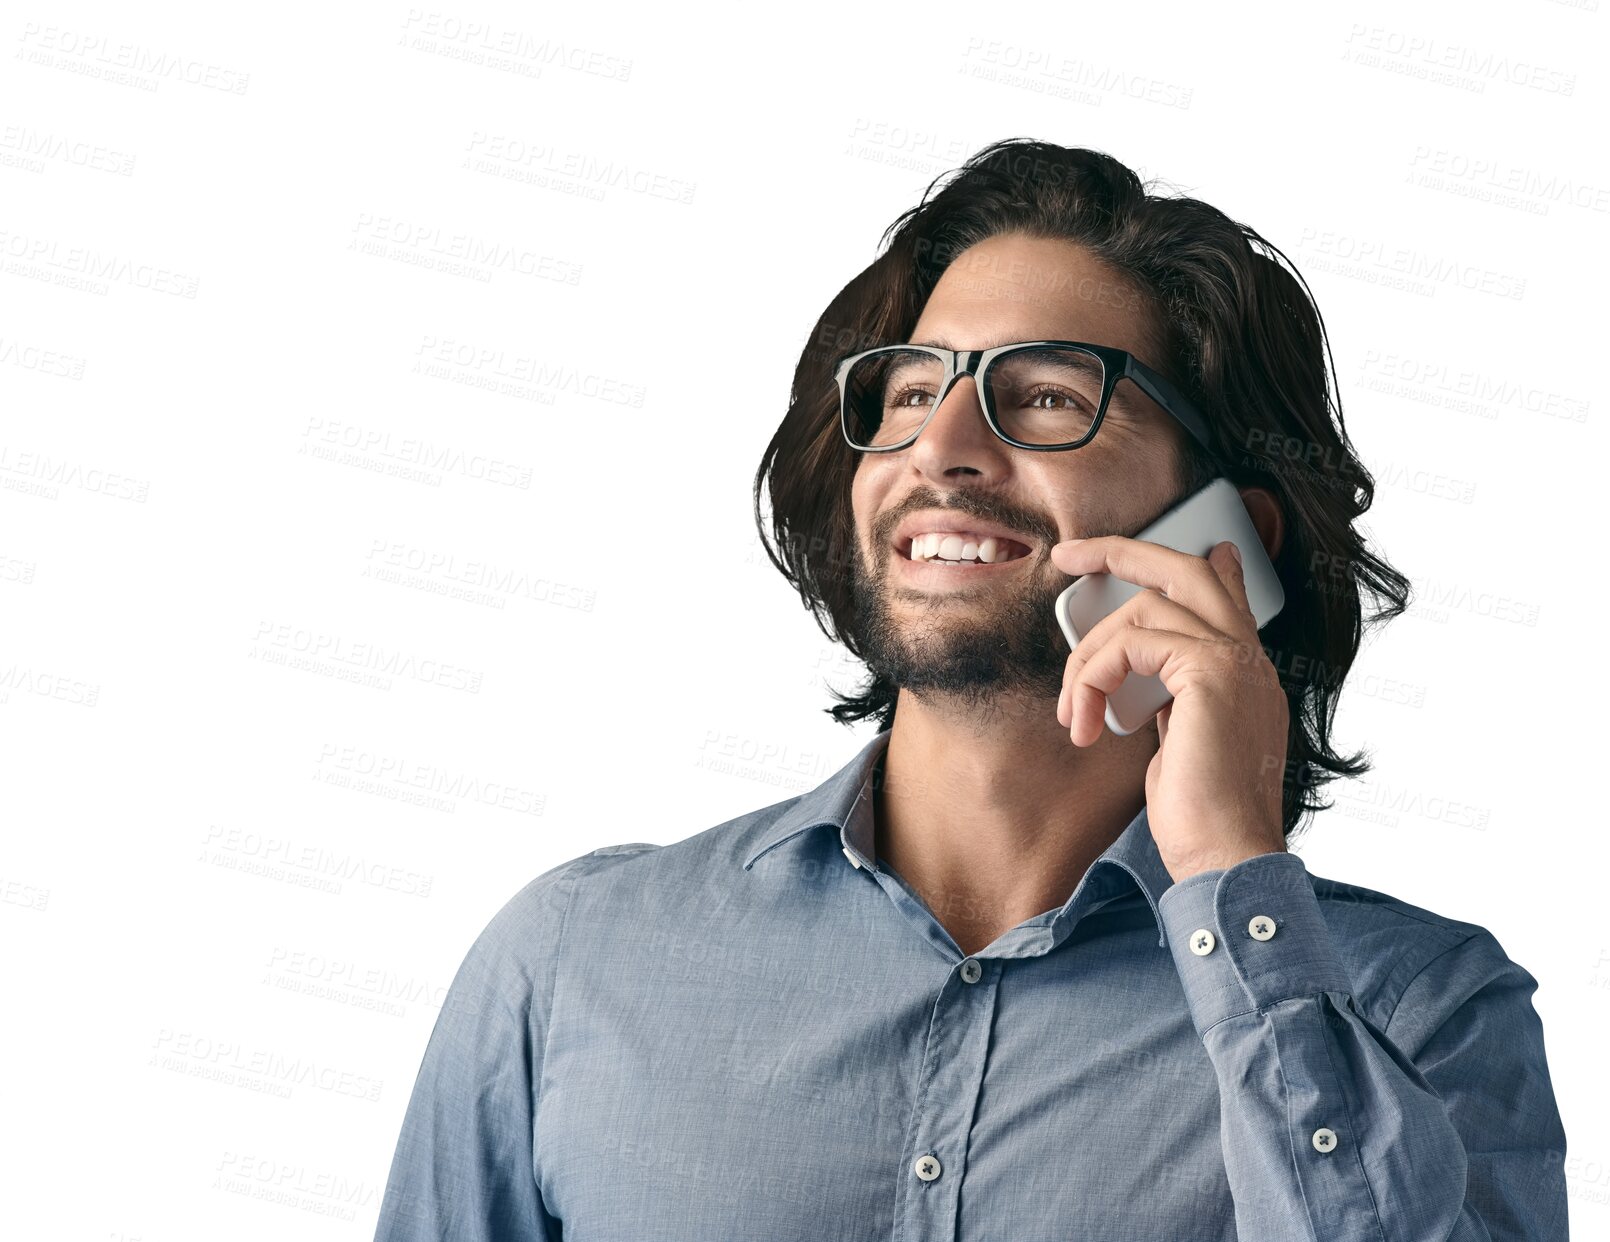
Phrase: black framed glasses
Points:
(1044, 396)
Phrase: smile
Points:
(961, 549)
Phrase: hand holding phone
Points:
(1194, 525)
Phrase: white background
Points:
(242, 859)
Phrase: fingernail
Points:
(1236, 552)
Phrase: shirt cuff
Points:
(1249, 936)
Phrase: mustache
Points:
(922, 500)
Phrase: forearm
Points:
(1329, 1128)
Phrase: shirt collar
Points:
(844, 801)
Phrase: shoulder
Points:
(1371, 912)
(580, 898)
(1410, 960)
(527, 928)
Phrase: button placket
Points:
(953, 1069)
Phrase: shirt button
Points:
(1201, 941)
(1261, 927)
(1324, 1140)
(972, 972)
(927, 1167)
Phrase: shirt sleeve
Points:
(1440, 1126)
(463, 1167)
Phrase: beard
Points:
(978, 646)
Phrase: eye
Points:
(899, 398)
(1072, 398)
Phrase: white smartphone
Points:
(1194, 525)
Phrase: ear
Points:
(1267, 518)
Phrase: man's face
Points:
(978, 633)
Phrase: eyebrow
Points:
(938, 344)
(1117, 393)
(943, 344)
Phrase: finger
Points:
(1147, 609)
(1226, 561)
(1178, 575)
(1151, 653)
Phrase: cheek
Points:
(867, 491)
(1096, 477)
(1070, 493)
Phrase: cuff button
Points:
(1261, 927)
(1202, 941)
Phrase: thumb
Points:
(1226, 560)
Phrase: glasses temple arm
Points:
(1171, 399)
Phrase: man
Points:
(1007, 975)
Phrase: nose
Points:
(958, 434)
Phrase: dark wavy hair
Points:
(1236, 331)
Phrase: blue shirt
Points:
(759, 1033)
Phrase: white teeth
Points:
(934, 545)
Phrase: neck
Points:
(995, 822)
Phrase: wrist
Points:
(1219, 859)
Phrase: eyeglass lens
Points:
(1040, 394)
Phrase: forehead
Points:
(1019, 288)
